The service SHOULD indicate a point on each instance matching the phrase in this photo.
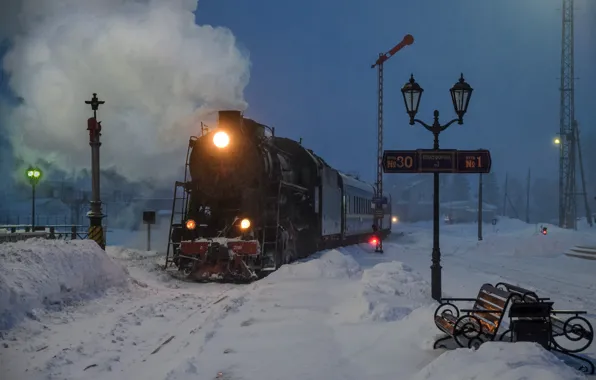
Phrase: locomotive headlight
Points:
(244, 224)
(395, 219)
(221, 139)
(190, 224)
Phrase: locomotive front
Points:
(227, 168)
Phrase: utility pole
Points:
(583, 177)
(407, 40)
(505, 195)
(528, 198)
(95, 214)
(480, 208)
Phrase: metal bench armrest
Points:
(458, 299)
(482, 311)
(576, 312)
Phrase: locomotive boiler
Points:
(253, 201)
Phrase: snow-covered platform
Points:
(70, 310)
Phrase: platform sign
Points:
(474, 161)
(437, 161)
(432, 161)
(400, 161)
(149, 217)
(379, 202)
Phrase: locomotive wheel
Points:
(287, 253)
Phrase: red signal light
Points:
(373, 241)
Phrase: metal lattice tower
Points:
(567, 204)
(407, 40)
(568, 129)
(379, 246)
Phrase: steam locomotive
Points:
(255, 201)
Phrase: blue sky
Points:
(311, 74)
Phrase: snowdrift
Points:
(331, 264)
(48, 274)
(499, 361)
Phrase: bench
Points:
(472, 327)
(575, 329)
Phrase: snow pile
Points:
(37, 274)
(392, 291)
(386, 292)
(330, 264)
(129, 254)
(499, 361)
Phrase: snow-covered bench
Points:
(575, 333)
(472, 327)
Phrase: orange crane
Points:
(407, 40)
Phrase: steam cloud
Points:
(159, 73)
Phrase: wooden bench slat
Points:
(497, 301)
(487, 312)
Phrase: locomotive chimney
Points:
(230, 119)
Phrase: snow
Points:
(344, 313)
(41, 273)
(498, 361)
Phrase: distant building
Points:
(467, 211)
(413, 202)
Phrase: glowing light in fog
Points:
(221, 139)
(244, 224)
(190, 224)
(395, 219)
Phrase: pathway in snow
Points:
(126, 328)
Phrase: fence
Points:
(11, 233)
(41, 220)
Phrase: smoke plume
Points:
(159, 73)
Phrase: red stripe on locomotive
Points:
(191, 248)
(244, 247)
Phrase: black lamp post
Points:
(460, 96)
(33, 175)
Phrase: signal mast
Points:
(378, 201)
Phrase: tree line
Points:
(509, 195)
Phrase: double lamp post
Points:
(460, 96)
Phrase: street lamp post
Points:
(33, 175)
(460, 96)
